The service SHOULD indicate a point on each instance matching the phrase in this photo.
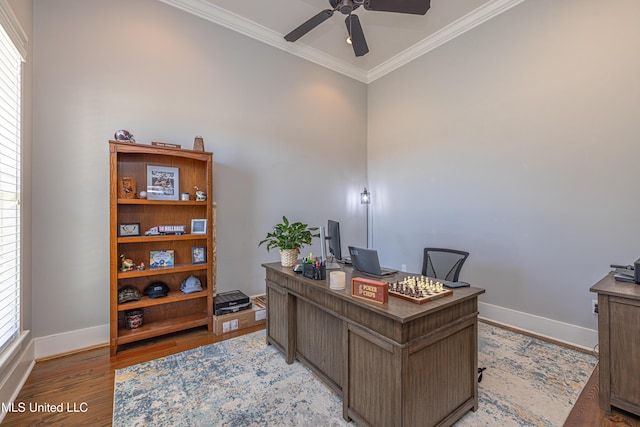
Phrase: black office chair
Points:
(441, 263)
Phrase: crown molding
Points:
(232, 21)
(471, 20)
(14, 30)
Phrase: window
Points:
(10, 165)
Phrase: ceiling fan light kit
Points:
(354, 28)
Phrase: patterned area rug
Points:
(244, 382)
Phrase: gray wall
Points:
(517, 141)
(288, 136)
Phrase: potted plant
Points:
(289, 238)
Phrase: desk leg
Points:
(474, 372)
(291, 327)
(604, 343)
(345, 379)
(280, 311)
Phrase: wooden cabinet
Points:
(131, 216)
(619, 343)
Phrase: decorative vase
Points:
(198, 143)
(289, 257)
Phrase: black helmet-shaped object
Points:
(124, 135)
(156, 290)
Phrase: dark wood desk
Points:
(394, 364)
(619, 343)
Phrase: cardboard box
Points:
(240, 320)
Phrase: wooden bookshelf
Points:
(177, 311)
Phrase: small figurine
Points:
(153, 231)
(201, 196)
(198, 143)
(141, 266)
(126, 188)
(127, 263)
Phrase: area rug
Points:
(244, 382)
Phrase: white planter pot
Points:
(289, 257)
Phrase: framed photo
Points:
(163, 183)
(198, 254)
(199, 226)
(131, 229)
(161, 258)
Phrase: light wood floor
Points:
(87, 377)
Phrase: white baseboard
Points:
(16, 374)
(564, 332)
(67, 342)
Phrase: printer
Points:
(230, 302)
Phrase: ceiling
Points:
(393, 38)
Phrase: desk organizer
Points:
(312, 272)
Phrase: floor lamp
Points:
(365, 199)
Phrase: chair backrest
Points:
(443, 263)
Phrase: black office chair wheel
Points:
(480, 370)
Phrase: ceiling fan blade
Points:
(416, 7)
(309, 25)
(358, 41)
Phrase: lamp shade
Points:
(365, 197)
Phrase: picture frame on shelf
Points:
(198, 254)
(163, 183)
(129, 229)
(162, 258)
(199, 226)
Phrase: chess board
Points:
(418, 289)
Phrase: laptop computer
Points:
(366, 261)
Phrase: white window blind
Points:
(10, 90)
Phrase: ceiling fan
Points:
(354, 29)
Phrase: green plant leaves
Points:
(289, 235)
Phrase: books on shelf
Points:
(260, 301)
